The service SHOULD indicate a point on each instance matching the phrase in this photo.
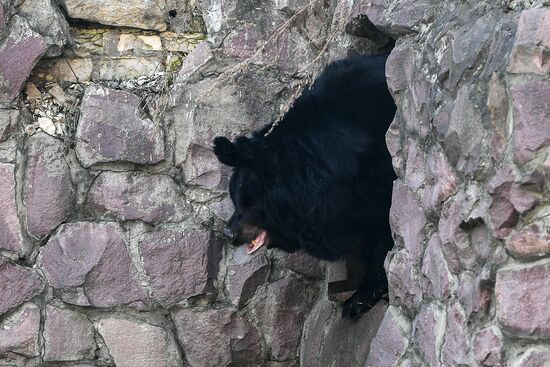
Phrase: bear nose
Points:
(228, 232)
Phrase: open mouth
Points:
(256, 243)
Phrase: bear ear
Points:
(226, 151)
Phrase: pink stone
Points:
(391, 341)
(455, 351)
(68, 335)
(330, 340)
(302, 263)
(136, 343)
(531, 118)
(11, 238)
(281, 316)
(19, 52)
(487, 345)
(503, 217)
(17, 285)
(132, 195)
(245, 273)
(522, 295)
(88, 264)
(429, 326)
(441, 181)
(407, 220)
(473, 294)
(530, 242)
(415, 174)
(399, 68)
(497, 104)
(204, 169)
(48, 192)
(179, 263)
(19, 333)
(521, 199)
(217, 337)
(532, 41)
(112, 128)
(435, 270)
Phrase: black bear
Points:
(321, 180)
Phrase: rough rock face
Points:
(18, 284)
(10, 232)
(48, 193)
(89, 264)
(113, 203)
(167, 254)
(149, 14)
(111, 129)
(19, 52)
(230, 338)
(151, 198)
(472, 159)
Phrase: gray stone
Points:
(302, 263)
(19, 52)
(222, 209)
(429, 327)
(44, 18)
(135, 343)
(19, 335)
(329, 340)
(391, 341)
(531, 43)
(463, 140)
(194, 62)
(151, 198)
(9, 134)
(213, 107)
(68, 335)
(148, 14)
(407, 221)
(393, 142)
(245, 273)
(48, 192)
(17, 285)
(88, 264)
(179, 263)
(467, 43)
(281, 315)
(522, 295)
(3, 17)
(473, 293)
(531, 117)
(487, 345)
(403, 280)
(532, 357)
(217, 337)
(112, 128)
(11, 238)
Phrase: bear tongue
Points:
(256, 243)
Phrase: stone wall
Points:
(110, 252)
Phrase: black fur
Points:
(321, 181)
